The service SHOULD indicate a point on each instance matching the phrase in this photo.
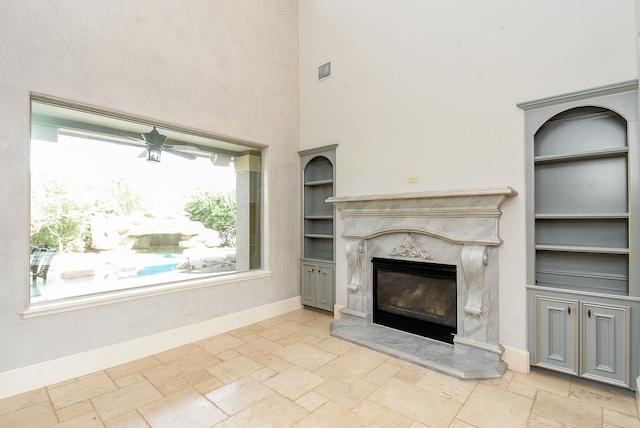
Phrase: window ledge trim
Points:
(84, 302)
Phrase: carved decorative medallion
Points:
(409, 248)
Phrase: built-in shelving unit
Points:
(582, 186)
(318, 227)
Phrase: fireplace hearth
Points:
(422, 278)
(415, 297)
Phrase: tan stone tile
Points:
(605, 398)
(125, 399)
(522, 389)
(90, 375)
(179, 368)
(545, 382)
(75, 410)
(327, 371)
(301, 337)
(234, 369)
(358, 361)
(457, 423)
(263, 374)
(273, 411)
(424, 406)
(247, 331)
(491, 407)
(417, 424)
(238, 395)
(566, 410)
(382, 415)
(21, 401)
(184, 409)
(81, 390)
(409, 376)
(88, 420)
(275, 363)
(308, 317)
(319, 330)
(129, 380)
(209, 385)
(281, 330)
(502, 383)
(294, 382)
(128, 420)
(447, 386)
(175, 353)
(251, 337)
(258, 348)
(227, 355)
(185, 382)
(382, 373)
(311, 401)
(306, 356)
(39, 415)
(335, 346)
(132, 367)
(270, 322)
(612, 419)
(332, 415)
(221, 343)
(346, 390)
(536, 421)
(310, 340)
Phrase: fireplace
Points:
(415, 297)
(438, 247)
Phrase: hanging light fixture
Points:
(155, 141)
(153, 153)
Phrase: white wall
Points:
(430, 88)
(226, 67)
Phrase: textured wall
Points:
(228, 67)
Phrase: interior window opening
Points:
(118, 203)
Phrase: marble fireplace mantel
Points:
(457, 227)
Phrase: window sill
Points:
(82, 302)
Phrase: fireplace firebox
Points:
(416, 297)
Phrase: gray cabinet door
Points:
(605, 342)
(324, 291)
(557, 334)
(309, 284)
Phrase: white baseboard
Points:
(50, 372)
(517, 359)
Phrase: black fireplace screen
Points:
(416, 297)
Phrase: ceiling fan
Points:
(156, 144)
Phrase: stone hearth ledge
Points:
(428, 353)
(456, 227)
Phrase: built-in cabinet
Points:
(583, 338)
(582, 187)
(318, 227)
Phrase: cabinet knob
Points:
(569, 310)
(589, 313)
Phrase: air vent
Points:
(324, 71)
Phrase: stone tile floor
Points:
(288, 371)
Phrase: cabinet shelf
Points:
(317, 236)
(582, 249)
(318, 183)
(581, 216)
(622, 151)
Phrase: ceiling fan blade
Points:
(177, 153)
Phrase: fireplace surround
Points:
(457, 228)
